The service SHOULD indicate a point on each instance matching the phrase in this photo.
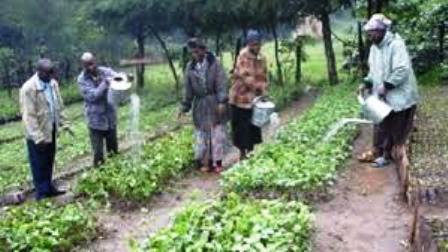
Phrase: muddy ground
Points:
(365, 212)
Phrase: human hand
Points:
(42, 146)
(221, 109)
(361, 90)
(381, 90)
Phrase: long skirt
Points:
(244, 134)
(211, 144)
(394, 130)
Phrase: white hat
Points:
(87, 57)
(378, 22)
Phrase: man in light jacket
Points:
(41, 107)
(392, 78)
(100, 112)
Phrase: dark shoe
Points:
(56, 192)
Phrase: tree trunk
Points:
(362, 52)
(7, 78)
(67, 69)
(329, 51)
(30, 68)
(370, 6)
(141, 55)
(442, 41)
(185, 58)
(238, 46)
(169, 58)
(218, 41)
(277, 54)
(378, 6)
(299, 48)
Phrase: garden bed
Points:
(299, 161)
(429, 151)
(431, 234)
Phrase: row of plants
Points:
(48, 227)
(45, 227)
(14, 167)
(235, 224)
(139, 175)
(126, 177)
(299, 160)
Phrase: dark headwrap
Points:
(253, 36)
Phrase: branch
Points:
(345, 42)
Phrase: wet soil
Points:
(365, 212)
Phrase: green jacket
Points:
(390, 62)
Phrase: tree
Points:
(138, 18)
(322, 10)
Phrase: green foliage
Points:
(234, 224)
(14, 166)
(10, 106)
(45, 227)
(125, 179)
(418, 21)
(299, 161)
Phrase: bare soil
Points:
(365, 213)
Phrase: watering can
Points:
(119, 89)
(262, 110)
(374, 108)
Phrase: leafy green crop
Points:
(122, 178)
(234, 224)
(45, 227)
(299, 161)
(14, 167)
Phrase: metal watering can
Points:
(262, 110)
(374, 108)
(119, 89)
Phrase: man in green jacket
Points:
(392, 78)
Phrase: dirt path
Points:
(365, 213)
(121, 227)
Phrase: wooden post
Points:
(442, 41)
(138, 63)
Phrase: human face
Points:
(198, 53)
(45, 74)
(90, 66)
(376, 36)
(254, 47)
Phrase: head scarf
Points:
(378, 22)
(253, 36)
(193, 43)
